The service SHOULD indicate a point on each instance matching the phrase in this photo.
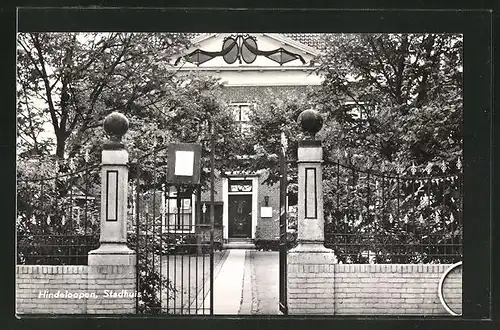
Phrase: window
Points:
(178, 212)
(240, 185)
(355, 111)
(205, 216)
(241, 113)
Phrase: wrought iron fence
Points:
(175, 250)
(58, 217)
(390, 217)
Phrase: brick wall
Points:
(310, 289)
(408, 289)
(75, 289)
(205, 194)
(371, 289)
(250, 94)
(268, 228)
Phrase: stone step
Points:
(240, 240)
(239, 245)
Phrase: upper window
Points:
(241, 112)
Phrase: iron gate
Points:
(283, 246)
(173, 239)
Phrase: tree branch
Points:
(30, 119)
(98, 89)
(38, 47)
(376, 53)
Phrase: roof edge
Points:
(293, 43)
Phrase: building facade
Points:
(245, 207)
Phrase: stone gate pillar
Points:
(310, 266)
(113, 248)
(112, 273)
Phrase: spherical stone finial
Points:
(311, 122)
(115, 125)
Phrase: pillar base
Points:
(317, 251)
(311, 280)
(112, 254)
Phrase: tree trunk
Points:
(61, 146)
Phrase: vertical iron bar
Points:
(162, 246)
(146, 237)
(198, 230)
(137, 236)
(398, 195)
(353, 237)
(203, 281)
(461, 198)
(383, 196)
(199, 248)
(154, 224)
(398, 192)
(191, 227)
(178, 211)
(433, 235)
(169, 244)
(369, 217)
(73, 248)
(429, 246)
(452, 246)
(445, 224)
(186, 244)
(86, 209)
(283, 235)
(347, 215)
(338, 188)
(212, 213)
(419, 248)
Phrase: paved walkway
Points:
(247, 284)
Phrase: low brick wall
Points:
(409, 289)
(372, 289)
(311, 289)
(75, 289)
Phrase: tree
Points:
(392, 105)
(393, 97)
(70, 81)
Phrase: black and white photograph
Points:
(239, 173)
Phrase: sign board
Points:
(184, 163)
(266, 212)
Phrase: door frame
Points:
(225, 199)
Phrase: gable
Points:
(213, 42)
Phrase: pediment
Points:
(213, 42)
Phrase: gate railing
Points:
(58, 217)
(175, 250)
(373, 217)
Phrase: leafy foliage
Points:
(393, 98)
(392, 105)
(71, 81)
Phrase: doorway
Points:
(240, 216)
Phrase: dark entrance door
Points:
(240, 216)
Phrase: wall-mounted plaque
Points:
(266, 212)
